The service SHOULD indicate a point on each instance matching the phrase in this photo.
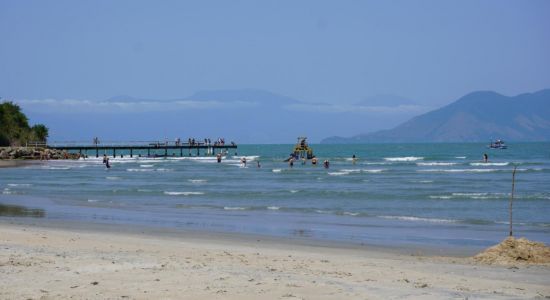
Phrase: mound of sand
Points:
(511, 251)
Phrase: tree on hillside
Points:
(14, 126)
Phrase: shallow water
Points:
(434, 195)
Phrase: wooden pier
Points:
(147, 149)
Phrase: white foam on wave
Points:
(440, 197)
(234, 208)
(423, 181)
(8, 191)
(144, 190)
(251, 157)
(294, 191)
(197, 181)
(460, 157)
(489, 164)
(373, 170)
(338, 173)
(319, 211)
(276, 170)
(351, 170)
(92, 200)
(458, 170)
(183, 193)
(347, 213)
(113, 178)
(19, 184)
(416, 219)
(405, 158)
(57, 168)
(273, 207)
(164, 170)
(140, 170)
(378, 163)
(436, 164)
(146, 166)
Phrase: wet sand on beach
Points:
(50, 263)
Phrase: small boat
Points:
(301, 150)
(498, 144)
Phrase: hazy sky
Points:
(327, 51)
(335, 52)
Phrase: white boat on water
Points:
(498, 144)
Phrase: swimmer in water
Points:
(326, 163)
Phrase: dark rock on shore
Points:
(35, 153)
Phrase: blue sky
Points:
(338, 53)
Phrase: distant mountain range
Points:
(476, 117)
(240, 115)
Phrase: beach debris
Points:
(94, 283)
(512, 250)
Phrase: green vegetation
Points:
(15, 129)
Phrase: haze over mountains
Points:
(243, 116)
(476, 117)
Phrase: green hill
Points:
(15, 129)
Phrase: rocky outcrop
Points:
(35, 153)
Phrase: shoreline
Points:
(16, 163)
(240, 237)
(65, 263)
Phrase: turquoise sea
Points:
(417, 195)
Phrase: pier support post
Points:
(148, 151)
(165, 152)
(131, 152)
(181, 152)
(96, 152)
(198, 151)
(114, 152)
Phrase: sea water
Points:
(426, 195)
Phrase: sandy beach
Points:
(39, 262)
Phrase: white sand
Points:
(40, 263)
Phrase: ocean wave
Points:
(419, 219)
(338, 173)
(276, 170)
(350, 170)
(294, 191)
(353, 214)
(146, 166)
(373, 170)
(197, 181)
(458, 170)
(234, 208)
(436, 164)
(470, 196)
(183, 193)
(440, 197)
(273, 207)
(404, 158)
(8, 191)
(460, 157)
(19, 184)
(57, 168)
(477, 164)
(113, 178)
(251, 157)
(140, 170)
